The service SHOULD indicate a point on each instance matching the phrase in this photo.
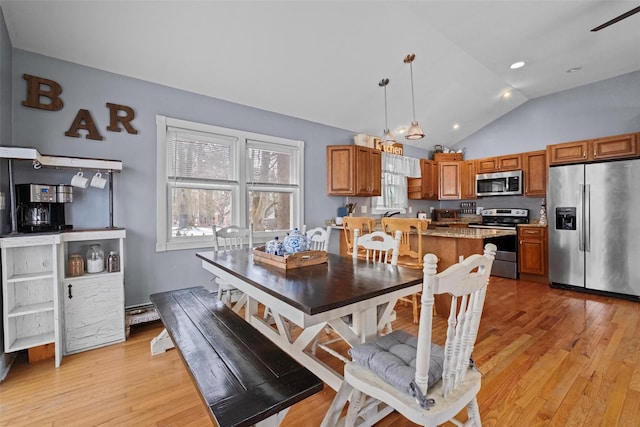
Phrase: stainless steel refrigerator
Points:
(594, 227)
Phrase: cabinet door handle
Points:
(70, 296)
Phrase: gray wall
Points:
(5, 139)
(147, 271)
(604, 108)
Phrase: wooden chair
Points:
(410, 255)
(319, 238)
(428, 397)
(376, 247)
(350, 223)
(230, 238)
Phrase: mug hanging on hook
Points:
(98, 181)
(78, 180)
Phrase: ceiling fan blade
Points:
(617, 18)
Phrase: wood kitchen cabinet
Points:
(535, 173)
(425, 187)
(354, 170)
(449, 186)
(468, 179)
(606, 148)
(510, 162)
(532, 250)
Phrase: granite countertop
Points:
(468, 233)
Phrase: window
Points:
(395, 170)
(210, 176)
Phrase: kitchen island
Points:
(449, 244)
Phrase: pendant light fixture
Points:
(415, 131)
(387, 136)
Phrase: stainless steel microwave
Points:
(499, 183)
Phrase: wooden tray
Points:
(287, 262)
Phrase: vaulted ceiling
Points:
(322, 60)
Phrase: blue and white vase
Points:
(295, 242)
(274, 247)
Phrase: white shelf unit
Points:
(93, 304)
(30, 292)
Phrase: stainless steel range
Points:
(506, 261)
(503, 218)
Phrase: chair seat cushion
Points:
(393, 358)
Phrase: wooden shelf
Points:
(26, 153)
(30, 276)
(31, 341)
(30, 309)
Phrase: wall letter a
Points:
(84, 121)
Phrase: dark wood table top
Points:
(317, 288)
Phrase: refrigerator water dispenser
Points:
(565, 218)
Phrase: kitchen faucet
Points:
(388, 214)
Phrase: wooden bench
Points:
(243, 377)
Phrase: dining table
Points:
(353, 297)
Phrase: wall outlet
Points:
(410, 209)
(363, 209)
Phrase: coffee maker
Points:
(40, 207)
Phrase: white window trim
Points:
(163, 241)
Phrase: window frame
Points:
(239, 185)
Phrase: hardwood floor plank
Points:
(549, 357)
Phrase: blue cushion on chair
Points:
(393, 358)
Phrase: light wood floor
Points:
(549, 358)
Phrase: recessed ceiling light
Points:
(574, 69)
(506, 94)
(456, 126)
(517, 65)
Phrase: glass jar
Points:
(95, 259)
(75, 265)
(113, 262)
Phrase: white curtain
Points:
(395, 171)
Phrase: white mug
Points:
(338, 220)
(98, 181)
(79, 180)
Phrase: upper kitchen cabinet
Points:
(535, 173)
(449, 187)
(468, 179)
(425, 187)
(353, 170)
(607, 148)
(510, 162)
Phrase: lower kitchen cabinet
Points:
(532, 250)
(93, 311)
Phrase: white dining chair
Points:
(375, 247)
(426, 383)
(318, 238)
(230, 238)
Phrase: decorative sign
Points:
(396, 148)
(44, 94)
